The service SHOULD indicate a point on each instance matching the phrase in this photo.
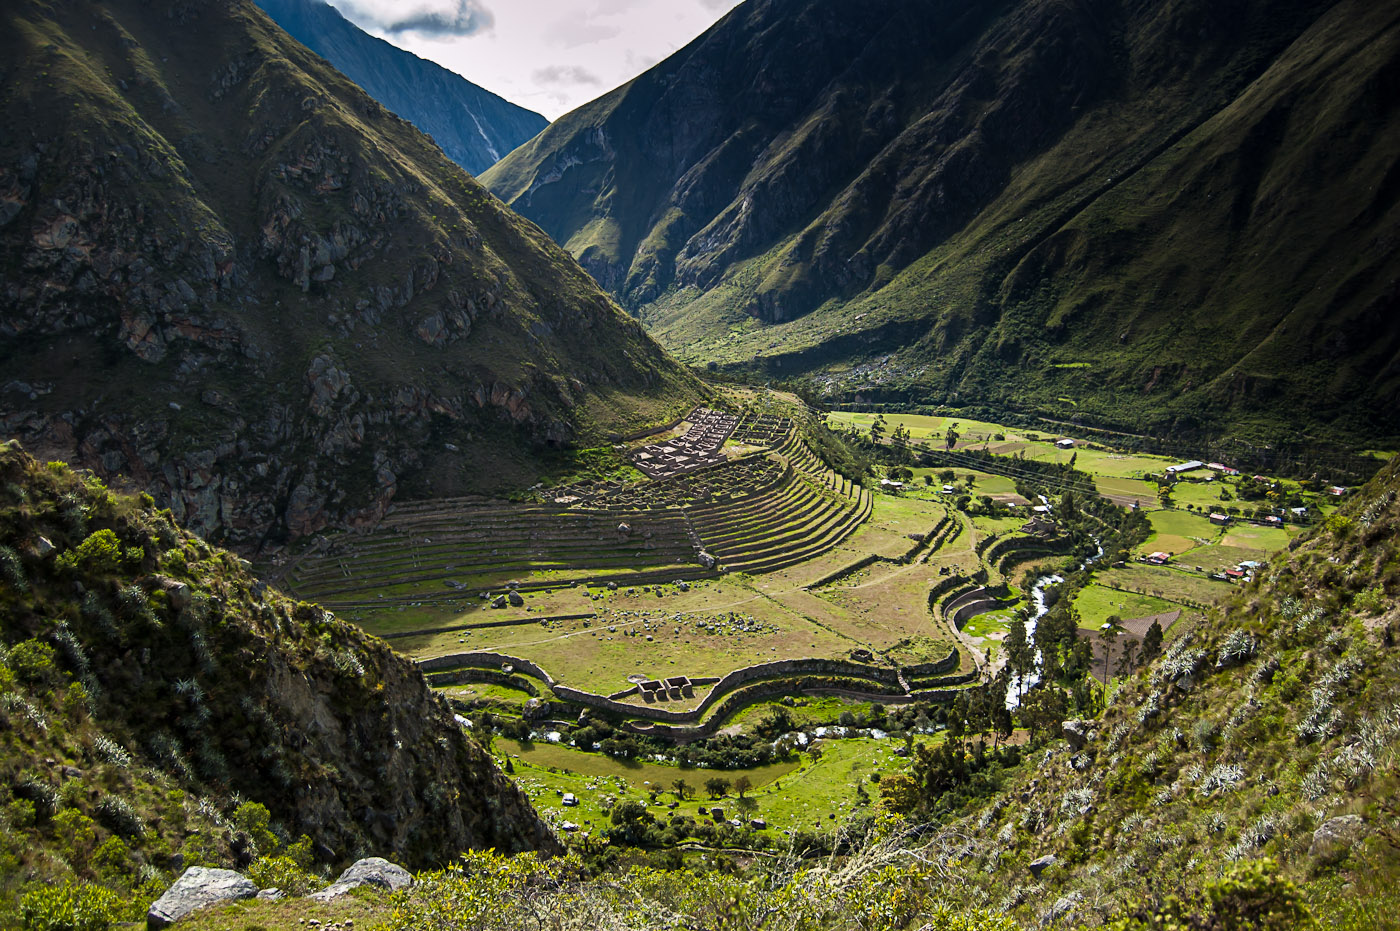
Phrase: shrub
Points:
(32, 661)
(81, 907)
(12, 570)
(102, 552)
(117, 815)
(112, 860)
(283, 873)
(254, 819)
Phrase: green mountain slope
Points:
(150, 687)
(1176, 216)
(1268, 731)
(232, 277)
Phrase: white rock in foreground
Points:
(197, 888)
(371, 871)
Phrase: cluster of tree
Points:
(845, 451)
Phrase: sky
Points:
(549, 56)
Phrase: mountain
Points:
(473, 126)
(1265, 736)
(233, 279)
(157, 697)
(1162, 217)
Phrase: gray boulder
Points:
(1041, 864)
(1077, 733)
(1336, 836)
(515, 599)
(371, 871)
(499, 601)
(198, 887)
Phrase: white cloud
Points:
(426, 17)
(536, 52)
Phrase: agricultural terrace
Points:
(1205, 555)
(627, 630)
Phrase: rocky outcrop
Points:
(198, 887)
(250, 290)
(371, 871)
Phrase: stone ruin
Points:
(697, 448)
(661, 689)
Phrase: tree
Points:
(747, 805)
(1044, 710)
(877, 429)
(1152, 643)
(1126, 663)
(951, 437)
(1019, 655)
(681, 788)
(717, 786)
(742, 785)
(1109, 633)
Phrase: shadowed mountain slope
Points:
(1165, 216)
(232, 277)
(153, 686)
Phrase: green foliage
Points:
(32, 662)
(253, 819)
(285, 873)
(80, 907)
(1249, 897)
(101, 553)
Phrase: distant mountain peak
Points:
(472, 125)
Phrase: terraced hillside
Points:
(752, 514)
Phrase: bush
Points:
(117, 815)
(102, 552)
(283, 873)
(81, 907)
(32, 661)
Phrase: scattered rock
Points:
(272, 895)
(42, 547)
(515, 599)
(1077, 733)
(706, 560)
(197, 888)
(499, 601)
(1040, 864)
(1335, 838)
(180, 595)
(371, 871)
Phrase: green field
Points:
(1095, 603)
(1178, 531)
(1165, 582)
(804, 792)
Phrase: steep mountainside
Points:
(231, 276)
(1269, 730)
(1171, 214)
(149, 686)
(473, 126)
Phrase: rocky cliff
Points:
(1172, 215)
(152, 681)
(474, 126)
(232, 277)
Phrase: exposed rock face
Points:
(371, 871)
(238, 281)
(198, 887)
(964, 196)
(473, 126)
